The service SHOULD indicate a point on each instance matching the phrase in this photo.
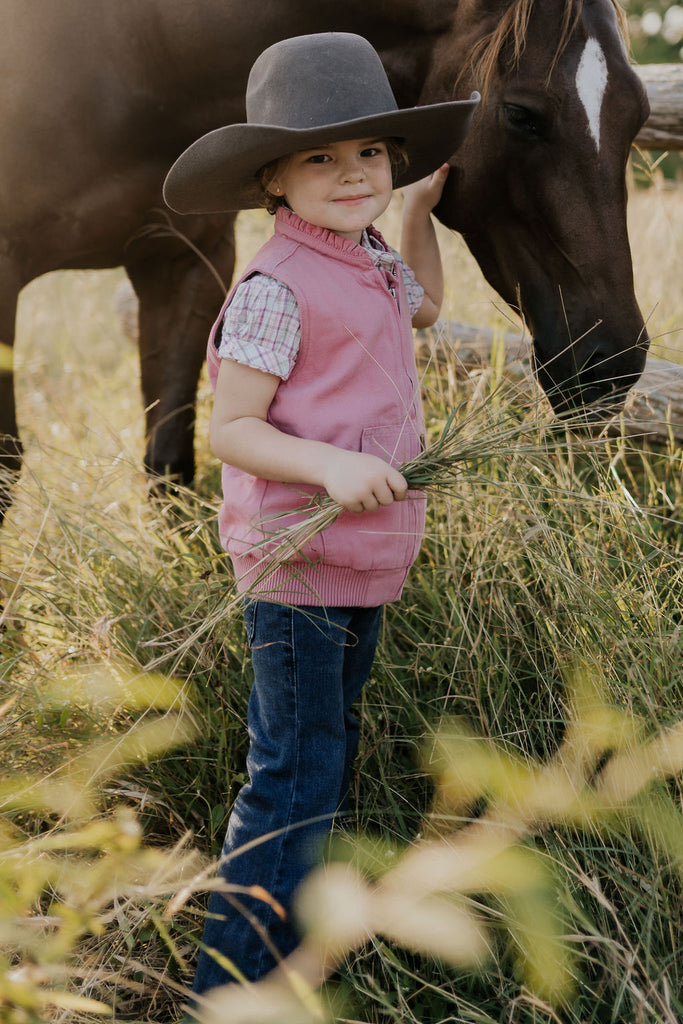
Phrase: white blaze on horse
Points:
(99, 98)
(591, 83)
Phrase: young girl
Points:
(316, 393)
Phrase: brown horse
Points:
(99, 98)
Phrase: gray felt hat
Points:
(305, 92)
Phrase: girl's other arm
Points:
(419, 246)
(241, 436)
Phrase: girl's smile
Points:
(343, 186)
(352, 200)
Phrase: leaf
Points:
(67, 1001)
(436, 926)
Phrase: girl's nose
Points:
(353, 170)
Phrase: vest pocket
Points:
(258, 534)
(389, 538)
(393, 442)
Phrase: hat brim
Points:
(217, 173)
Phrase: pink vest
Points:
(354, 385)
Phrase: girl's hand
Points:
(423, 195)
(361, 482)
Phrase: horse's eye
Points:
(526, 122)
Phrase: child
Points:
(316, 392)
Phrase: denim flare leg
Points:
(310, 665)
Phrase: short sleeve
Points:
(261, 326)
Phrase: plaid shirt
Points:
(261, 326)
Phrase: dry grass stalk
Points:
(473, 435)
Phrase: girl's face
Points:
(342, 186)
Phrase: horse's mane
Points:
(510, 34)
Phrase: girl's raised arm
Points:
(419, 245)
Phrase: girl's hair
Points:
(398, 158)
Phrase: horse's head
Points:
(538, 188)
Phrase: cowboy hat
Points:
(304, 92)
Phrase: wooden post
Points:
(664, 127)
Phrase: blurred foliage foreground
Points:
(88, 871)
(603, 772)
(68, 871)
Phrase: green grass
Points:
(534, 569)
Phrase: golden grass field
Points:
(77, 374)
(77, 377)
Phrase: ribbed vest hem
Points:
(323, 585)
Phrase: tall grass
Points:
(531, 568)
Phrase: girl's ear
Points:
(269, 181)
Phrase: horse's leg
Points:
(179, 299)
(10, 446)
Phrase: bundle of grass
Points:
(498, 424)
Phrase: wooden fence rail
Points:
(664, 128)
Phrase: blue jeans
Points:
(310, 665)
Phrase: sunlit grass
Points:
(529, 568)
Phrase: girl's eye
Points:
(371, 151)
(318, 158)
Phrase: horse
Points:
(100, 98)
